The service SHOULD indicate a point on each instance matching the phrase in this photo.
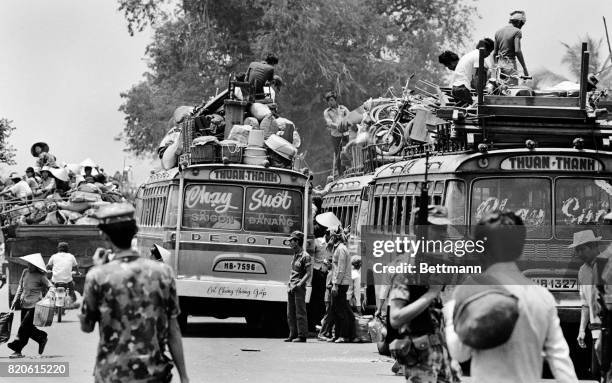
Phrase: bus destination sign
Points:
(552, 163)
(246, 175)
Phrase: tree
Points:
(598, 62)
(358, 48)
(7, 151)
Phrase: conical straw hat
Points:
(36, 260)
(328, 220)
(165, 254)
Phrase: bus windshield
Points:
(233, 207)
(272, 210)
(580, 202)
(530, 198)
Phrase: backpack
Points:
(485, 313)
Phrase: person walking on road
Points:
(586, 247)
(537, 331)
(301, 270)
(31, 289)
(341, 314)
(61, 265)
(134, 301)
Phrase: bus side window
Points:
(172, 207)
(383, 214)
(408, 205)
(399, 202)
(375, 220)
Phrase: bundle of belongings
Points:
(54, 195)
(261, 137)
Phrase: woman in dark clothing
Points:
(32, 284)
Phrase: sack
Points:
(259, 111)
(377, 330)
(83, 196)
(269, 126)
(485, 313)
(44, 312)
(6, 322)
(361, 328)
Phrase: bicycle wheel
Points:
(385, 111)
(388, 136)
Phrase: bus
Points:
(226, 228)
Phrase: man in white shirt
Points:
(19, 189)
(464, 78)
(61, 264)
(537, 332)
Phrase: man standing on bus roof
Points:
(586, 247)
(301, 269)
(335, 120)
(508, 46)
(135, 303)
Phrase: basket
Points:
(187, 129)
(43, 312)
(232, 152)
(204, 154)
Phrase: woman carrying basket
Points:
(31, 286)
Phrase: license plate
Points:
(558, 284)
(240, 267)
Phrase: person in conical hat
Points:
(40, 150)
(47, 183)
(31, 286)
(88, 165)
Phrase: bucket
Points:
(256, 138)
(255, 152)
(254, 160)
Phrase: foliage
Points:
(7, 151)
(598, 62)
(358, 48)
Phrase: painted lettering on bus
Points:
(551, 162)
(260, 199)
(220, 238)
(220, 201)
(245, 175)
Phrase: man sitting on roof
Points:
(19, 189)
(260, 72)
(464, 78)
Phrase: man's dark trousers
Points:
(296, 313)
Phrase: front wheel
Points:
(59, 314)
(389, 137)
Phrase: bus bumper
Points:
(253, 290)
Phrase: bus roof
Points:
(460, 162)
(224, 170)
(350, 183)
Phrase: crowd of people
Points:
(35, 196)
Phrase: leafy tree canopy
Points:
(358, 48)
(7, 151)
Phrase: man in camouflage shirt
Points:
(134, 301)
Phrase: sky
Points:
(63, 64)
